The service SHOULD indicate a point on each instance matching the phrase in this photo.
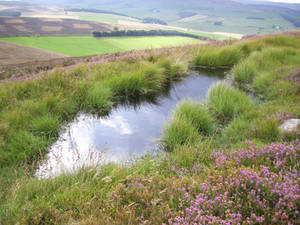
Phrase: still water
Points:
(129, 131)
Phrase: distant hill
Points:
(213, 15)
(23, 26)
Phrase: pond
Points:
(129, 131)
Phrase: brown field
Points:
(51, 28)
(14, 21)
(13, 54)
(2, 28)
(81, 26)
(51, 19)
(20, 28)
(29, 26)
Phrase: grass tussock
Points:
(190, 121)
(228, 102)
(218, 57)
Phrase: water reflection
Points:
(130, 130)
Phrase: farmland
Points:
(27, 26)
(86, 45)
(11, 53)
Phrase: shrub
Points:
(266, 193)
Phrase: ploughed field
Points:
(27, 26)
(87, 45)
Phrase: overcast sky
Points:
(286, 1)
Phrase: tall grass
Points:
(228, 102)
(190, 121)
(99, 99)
(216, 57)
(179, 132)
(198, 115)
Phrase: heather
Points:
(223, 160)
(252, 186)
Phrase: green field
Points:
(86, 45)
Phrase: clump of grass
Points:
(267, 130)
(227, 102)
(191, 121)
(216, 57)
(198, 115)
(244, 72)
(172, 71)
(47, 125)
(99, 99)
(179, 132)
(21, 146)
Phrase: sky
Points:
(285, 1)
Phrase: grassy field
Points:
(230, 164)
(85, 45)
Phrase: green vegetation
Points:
(189, 120)
(137, 33)
(208, 35)
(10, 13)
(227, 102)
(163, 188)
(85, 45)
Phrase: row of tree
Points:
(154, 20)
(294, 20)
(123, 33)
(10, 13)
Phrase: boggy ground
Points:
(219, 167)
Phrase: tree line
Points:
(154, 20)
(123, 33)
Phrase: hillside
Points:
(27, 26)
(217, 15)
(13, 54)
(227, 158)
